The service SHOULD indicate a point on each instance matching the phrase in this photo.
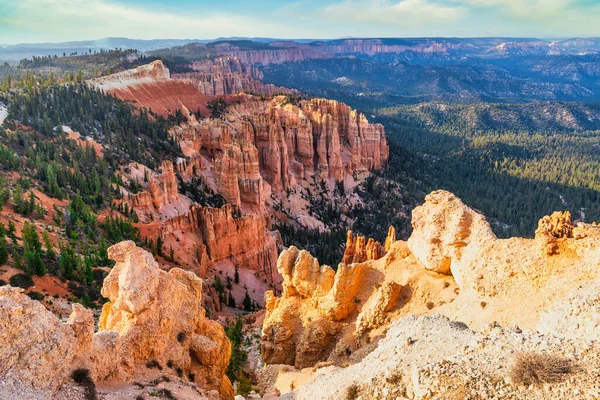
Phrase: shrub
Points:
(181, 337)
(537, 369)
(167, 394)
(153, 364)
(21, 280)
(36, 296)
(352, 392)
(430, 305)
(82, 377)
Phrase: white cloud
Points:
(102, 18)
(403, 12)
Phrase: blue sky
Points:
(64, 20)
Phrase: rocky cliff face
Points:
(161, 190)
(228, 76)
(150, 86)
(152, 315)
(279, 143)
(289, 51)
(216, 234)
(452, 264)
(37, 349)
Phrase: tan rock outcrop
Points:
(152, 316)
(37, 349)
(391, 238)
(357, 251)
(145, 299)
(374, 313)
(452, 264)
(445, 231)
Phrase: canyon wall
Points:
(218, 234)
(228, 76)
(281, 143)
(280, 52)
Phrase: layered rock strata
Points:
(280, 52)
(161, 190)
(219, 234)
(151, 87)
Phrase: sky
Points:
(35, 21)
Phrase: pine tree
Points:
(32, 251)
(247, 302)
(231, 301)
(3, 245)
(159, 246)
(236, 276)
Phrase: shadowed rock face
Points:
(152, 315)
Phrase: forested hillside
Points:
(62, 187)
(513, 161)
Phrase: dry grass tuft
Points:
(537, 369)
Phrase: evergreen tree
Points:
(247, 302)
(231, 300)
(32, 248)
(3, 245)
(159, 246)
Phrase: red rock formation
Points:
(281, 143)
(150, 86)
(223, 233)
(358, 251)
(161, 191)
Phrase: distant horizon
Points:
(296, 39)
(59, 21)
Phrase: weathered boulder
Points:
(158, 317)
(446, 232)
(374, 313)
(37, 349)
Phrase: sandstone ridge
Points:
(452, 264)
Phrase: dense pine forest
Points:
(37, 155)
